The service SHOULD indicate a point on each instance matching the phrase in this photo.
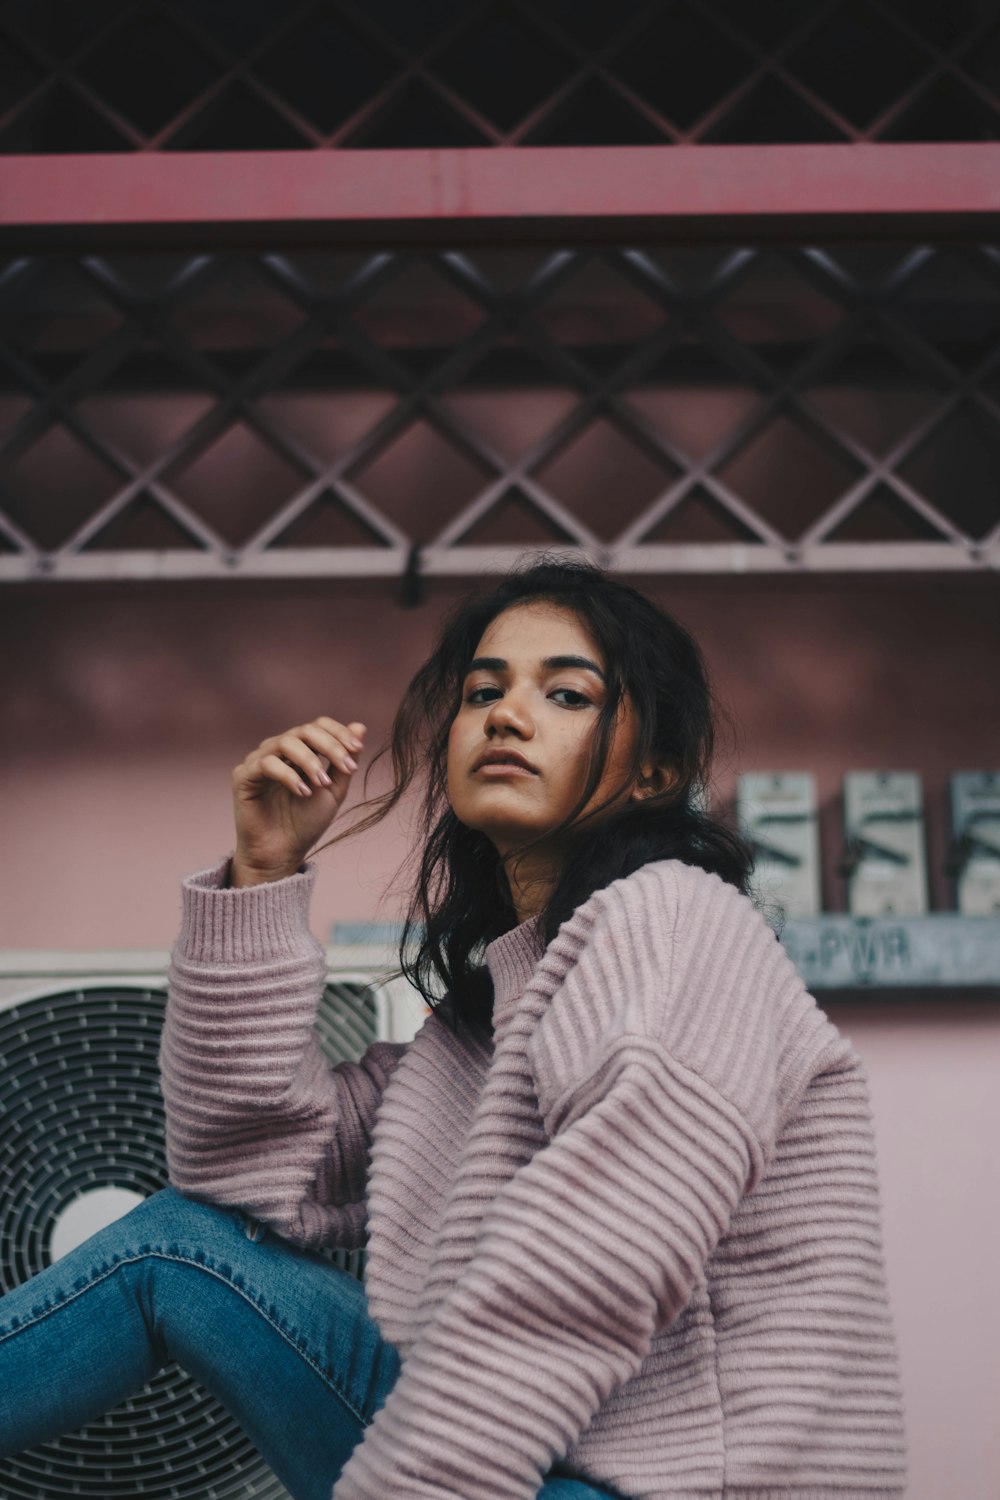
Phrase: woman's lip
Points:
(502, 767)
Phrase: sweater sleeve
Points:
(596, 1243)
(256, 1115)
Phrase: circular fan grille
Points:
(80, 1108)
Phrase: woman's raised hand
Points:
(286, 793)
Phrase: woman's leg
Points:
(280, 1336)
(556, 1488)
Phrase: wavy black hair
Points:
(461, 898)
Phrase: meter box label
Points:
(975, 823)
(884, 857)
(777, 814)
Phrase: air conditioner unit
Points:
(81, 1141)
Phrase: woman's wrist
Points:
(241, 874)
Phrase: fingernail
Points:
(303, 790)
(350, 763)
(356, 744)
(324, 778)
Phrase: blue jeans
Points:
(278, 1335)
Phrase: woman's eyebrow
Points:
(550, 663)
(555, 663)
(486, 664)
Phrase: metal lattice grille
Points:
(323, 414)
(147, 75)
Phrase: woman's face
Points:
(533, 694)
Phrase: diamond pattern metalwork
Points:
(152, 75)
(319, 415)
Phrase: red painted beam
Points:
(522, 193)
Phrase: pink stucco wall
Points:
(125, 708)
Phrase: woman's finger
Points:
(274, 768)
(336, 748)
(294, 749)
(352, 734)
(304, 755)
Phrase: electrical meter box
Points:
(975, 825)
(884, 857)
(777, 814)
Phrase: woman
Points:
(620, 1193)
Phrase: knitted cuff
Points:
(266, 923)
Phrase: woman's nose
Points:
(510, 713)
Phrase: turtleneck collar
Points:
(511, 959)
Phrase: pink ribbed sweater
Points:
(639, 1230)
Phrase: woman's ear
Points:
(652, 782)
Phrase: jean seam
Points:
(54, 1307)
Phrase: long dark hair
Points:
(461, 898)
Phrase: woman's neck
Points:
(531, 882)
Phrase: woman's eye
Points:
(473, 695)
(580, 698)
